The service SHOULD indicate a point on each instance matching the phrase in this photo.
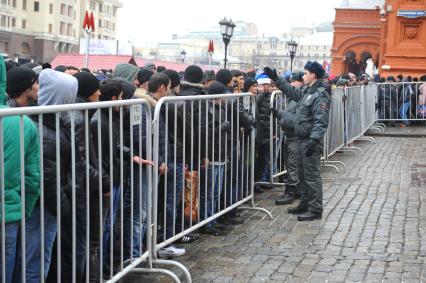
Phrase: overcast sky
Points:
(150, 21)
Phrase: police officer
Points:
(291, 147)
(310, 123)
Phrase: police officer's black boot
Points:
(288, 196)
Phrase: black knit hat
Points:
(216, 88)
(19, 79)
(144, 75)
(224, 76)
(87, 84)
(248, 83)
(193, 74)
(174, 77)
(316, 68)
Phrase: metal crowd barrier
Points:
(61, 172)
(211, 176)
(334, 139)
(400, 102)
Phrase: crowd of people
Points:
(102, 156)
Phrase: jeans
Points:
(137, 223)
(33, 246)
(405, 107)
(107, 228)
(11, 234)
(172, 209)
(209, 194)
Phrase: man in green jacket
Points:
(309, 123)
(11, 185)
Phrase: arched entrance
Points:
(351, 65)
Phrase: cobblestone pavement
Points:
(373, 228)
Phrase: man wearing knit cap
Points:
(88, 91)
(128, 72)
(143, 77)
(56, 88)
(21, 87)
(309, 124)
(251, 86)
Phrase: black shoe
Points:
(286, 199)
(190, 238)
(210, 231)
(220, 226)
(309, 216)
(297, 210)
(297, 195)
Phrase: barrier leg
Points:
(159, 271)
(253, 207)
(351, 149)
(337, 162)
(178, 265)
(331, 166)
(369, 139)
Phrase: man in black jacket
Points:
(55, 89)
(263, 126)
(310, 123)
(242, 122)
(86, 163)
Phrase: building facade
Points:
(392, 33)
(35, 31)
(248, 50)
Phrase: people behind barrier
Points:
(205, 143)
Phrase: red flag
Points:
(86, 20)
(211, 47)
(92, 21)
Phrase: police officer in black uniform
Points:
(291, 147)
(309, 123)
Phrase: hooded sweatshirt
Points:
(126, 71)
(56, 88)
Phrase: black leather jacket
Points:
(81, 161)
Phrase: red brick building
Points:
(391, 32)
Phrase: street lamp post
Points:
(183, 55)
(292, 47)
(227, 30)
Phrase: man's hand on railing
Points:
(141, 161)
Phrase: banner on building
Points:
(106, 47)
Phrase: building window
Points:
(100, 8)
(50, 8)
(3, 21)
(63, 28)
(14, 3)
(70, 11)
(50, 28)
(100, 23)
(4, 46)
(24, 24)
(69, 29)
(63, 9)
(13, 22)
(36, 6)
(24, 4)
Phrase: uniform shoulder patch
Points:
(324, 106)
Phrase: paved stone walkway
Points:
(373, 228)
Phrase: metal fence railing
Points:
(85, 198)
(403, 102)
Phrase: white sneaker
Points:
(171, 251)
